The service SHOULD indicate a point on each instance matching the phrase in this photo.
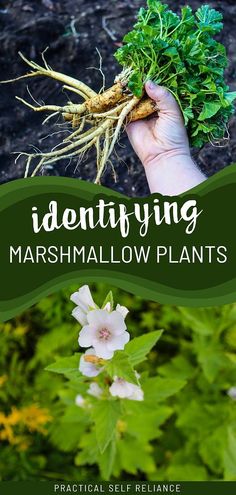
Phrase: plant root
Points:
(97, 121)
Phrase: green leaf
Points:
(136, 84)
(188, 472)
(65, 365)
(209, 109)
(120, 365)
(66, 435)
(138, 348)
(179, 367)
(230, 97)
(188, 114)
(211, 448)
(210, 19)
(156, 6)
(212, 359)
(200, 320)
(105, 414)
(177, 53)
(106, 460)
(230, 456)
(158, 389)
(109, 299)
(154, 417)
(134, 456)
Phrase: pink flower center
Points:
(104, 334)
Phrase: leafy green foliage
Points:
(105, 415)
(180, 52)
(138, 348)
(120, 365)
(183, 430)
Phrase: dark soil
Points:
(73, 29)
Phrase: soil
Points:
(73, 31)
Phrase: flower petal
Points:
(102, 350)
(83, 298)
(116, 322)
(121, 388)
(122, 310)
(80, 316)
(89, 369)
(86, 336)
(98, 317)
(118, 342)
(95, 390)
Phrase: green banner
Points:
(57, 231)
(119, 488)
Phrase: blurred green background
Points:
(191, 435)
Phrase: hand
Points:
(162, 145)
(165, 134)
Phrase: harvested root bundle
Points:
(179, 52)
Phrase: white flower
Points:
(122, 310)
(232, 393)
(79, 401)
(105, 332)
(84, 303)
(89, 369)
(125, 390)
(95, 390)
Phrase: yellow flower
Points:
(31, 418)
(34, 418)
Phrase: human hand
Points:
(161, 136)
(162, 145)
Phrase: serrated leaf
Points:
(187, 472)
(107, 459)
(212, 360)
(158, 388)
(138, 348)
(105, 414)
(65, 365)
(66, 435)
(120, 365)
(179, 367)
(134, 456)
(230, 97)
(209, 110)
(150, 428)
(136, 84)
(210, 19)
(177, 57)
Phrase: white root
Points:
(77, 91)
(125, 112)
(44, 160)
(104, 127)
(58, 76)
(71, 108)
(102, 163)
(111, 112)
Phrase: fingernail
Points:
(151, 85)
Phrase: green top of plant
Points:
(180, 53)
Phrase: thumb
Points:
(166, 103)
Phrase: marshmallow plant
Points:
(104, 332)
(106, 397)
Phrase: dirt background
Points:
(73, 29)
